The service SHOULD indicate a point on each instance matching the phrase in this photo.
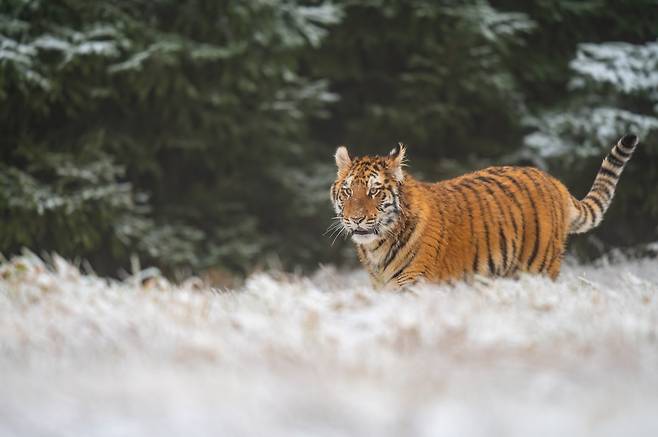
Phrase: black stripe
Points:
(550, 246)
(614, 153)
(486, 181)
(436, 250)
(402, 241)
(604, 180)
(469, 185)
(503, 248)
(396, 202)
(591, 211)
(535, 248)
(382, 241)
(542, 264)
(587, 213)
(597, 201)
(625, 148)
(469, 211)
(606, 172)
(559, 206)
(400, 280)
(558, 211)
(523, 226)
(548, 203)
(513, 218)
(559, 232)
(509, 194)
(621, 152)
(502, 243)
(489, 234)
(507, 260)
(614, 161)
(601, 188)
(490, 262)
(406, 264)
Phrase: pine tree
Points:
(151, 126)
(614, 91)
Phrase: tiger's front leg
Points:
(405, 279)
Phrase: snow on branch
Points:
(585, 132)
(627, 67)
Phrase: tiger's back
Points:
(496, 221)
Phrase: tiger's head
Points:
(366, 193)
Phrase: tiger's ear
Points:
(397, 160)
(343, 160)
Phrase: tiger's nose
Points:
(358, 220)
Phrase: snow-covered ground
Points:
(328, 356)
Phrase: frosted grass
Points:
(328, 356)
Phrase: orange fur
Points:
(493, 222)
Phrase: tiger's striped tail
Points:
(588, 213)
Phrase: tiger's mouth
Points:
(365, 236)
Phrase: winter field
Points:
(328, 356)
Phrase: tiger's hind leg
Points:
(553, 267)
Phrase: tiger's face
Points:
(366, 193)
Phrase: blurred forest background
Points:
(199, 135)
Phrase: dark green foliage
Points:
(198, 134)
(161, 128)
(590, 79)
(433, 74)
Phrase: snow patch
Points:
(328, 355)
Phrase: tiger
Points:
(496, 222)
